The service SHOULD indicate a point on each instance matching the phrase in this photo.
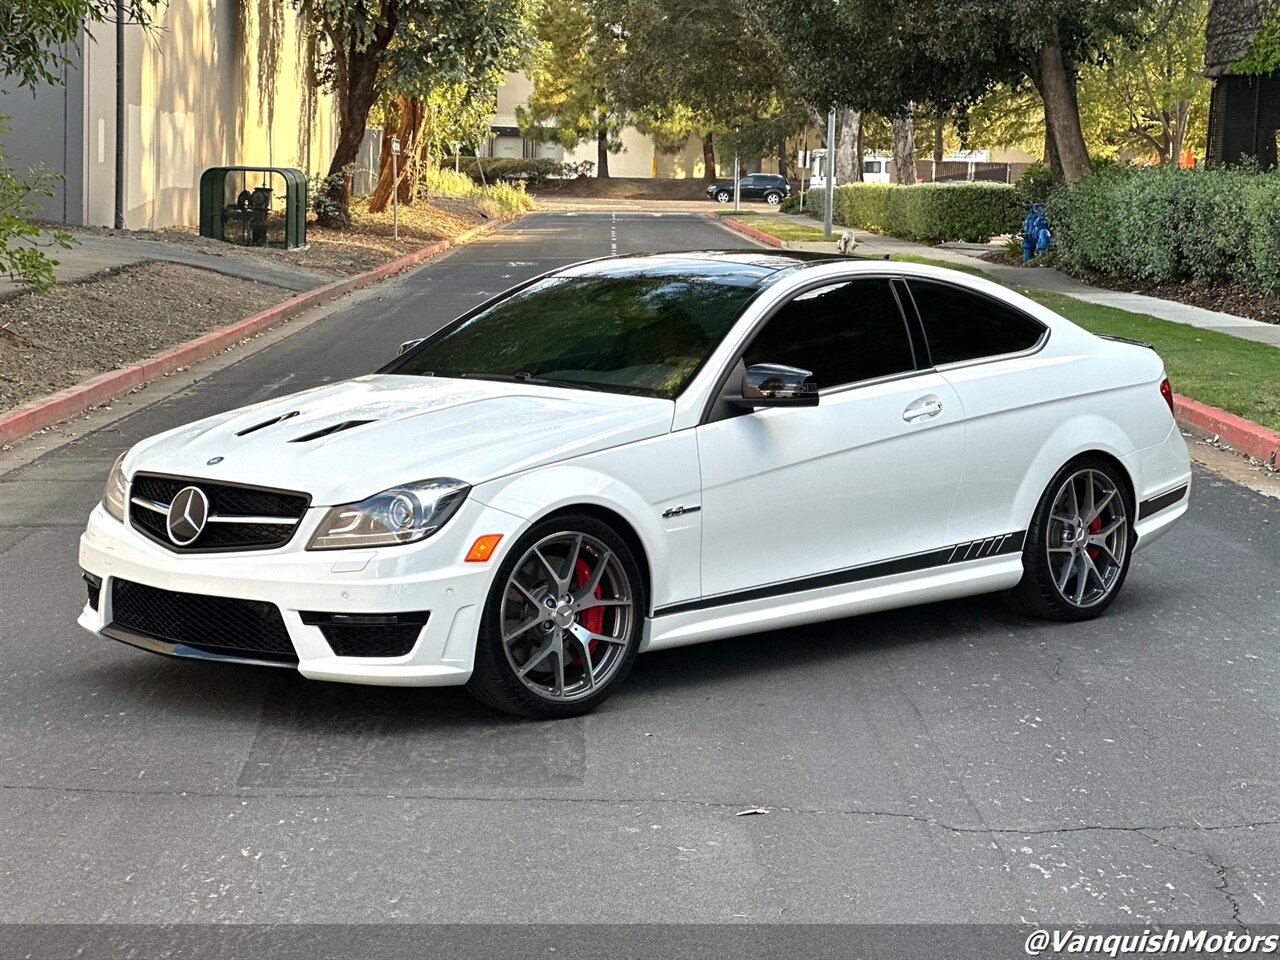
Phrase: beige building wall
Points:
(210, 85)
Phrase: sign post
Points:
(395, 187)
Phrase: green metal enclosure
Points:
(254, 206)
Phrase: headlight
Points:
(402, 514)
(117, 491)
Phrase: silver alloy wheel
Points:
(774, 199)
(723, 196)
(1088, 538)
(567, 616)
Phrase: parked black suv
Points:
(769, 187)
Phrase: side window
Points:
(870, 166)
(962, 325)
(844, 333)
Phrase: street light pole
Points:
(831, 177)
(120, 127)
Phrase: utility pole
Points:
(120, 106)
(831, 178)
(736, 177)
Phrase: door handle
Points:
(922, 409)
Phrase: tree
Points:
(700, 61)
(409, 45)
(572, 99)
(883, 57)
(848, 165)
(904, 148)
(1149, 96)
(33, 36)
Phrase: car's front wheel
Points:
(562, 623)
(1077, 551)
(773, 198)
(723, 196)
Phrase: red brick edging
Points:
(40, 413)
(1246, 436)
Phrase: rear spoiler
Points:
(1136, 343)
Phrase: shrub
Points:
(930, 212)
(1166, 224)
(495, 169)
(1035, 184)
(494, 200)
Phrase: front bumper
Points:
(429, 576)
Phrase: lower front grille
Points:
(221, 625)
(94, 585)
(368, 635)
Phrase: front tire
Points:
(1077, 551)
(723, 196)
(562, 623)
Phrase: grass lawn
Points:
(779, 227)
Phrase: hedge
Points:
(929, 212)
(530, 169)
(1166, 224)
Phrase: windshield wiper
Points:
(530, 378)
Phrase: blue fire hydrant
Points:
(1035, 232)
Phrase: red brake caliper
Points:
(1095, 525)
(592, 619)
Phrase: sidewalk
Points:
(94, 253)
(1052, 281)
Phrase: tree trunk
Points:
(1061, 111)
(356, 83)
(782, 159)
(904, 148)
(709, 156)
(407, 121)
(1051, 159)
(602, 152)
(849, 126)
(939, 128)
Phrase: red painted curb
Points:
(749, 231)
(40, 413)
(1246, 436)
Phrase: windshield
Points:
(642, 333)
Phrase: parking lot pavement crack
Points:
(1224, 888)
(268, 794)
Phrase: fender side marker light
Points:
(483, 548)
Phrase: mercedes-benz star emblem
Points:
(187, 515)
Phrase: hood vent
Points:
(267, 423)
(328, 431)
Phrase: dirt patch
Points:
(624, 188)
(52, 341)
(336, 253)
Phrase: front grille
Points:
(225, 500)
(368, 635)
(214, 624)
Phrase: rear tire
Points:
(562, 624)
(773, 199)
(1077, 552)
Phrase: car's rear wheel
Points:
(1077, 551)
(562, 623)
(773, 198)
(723, 196)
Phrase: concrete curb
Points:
(38, 414)
(1248, 437)
(737, 226)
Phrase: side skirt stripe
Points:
(1162, 502)
(956, 553)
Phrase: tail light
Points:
(1166, 391)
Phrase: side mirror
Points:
(409, 345)
(776, 385)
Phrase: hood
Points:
(347, 441)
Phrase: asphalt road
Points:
(947, 764)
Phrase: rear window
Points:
(962, 325)
(642, 333)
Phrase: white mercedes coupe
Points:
(641, 452)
